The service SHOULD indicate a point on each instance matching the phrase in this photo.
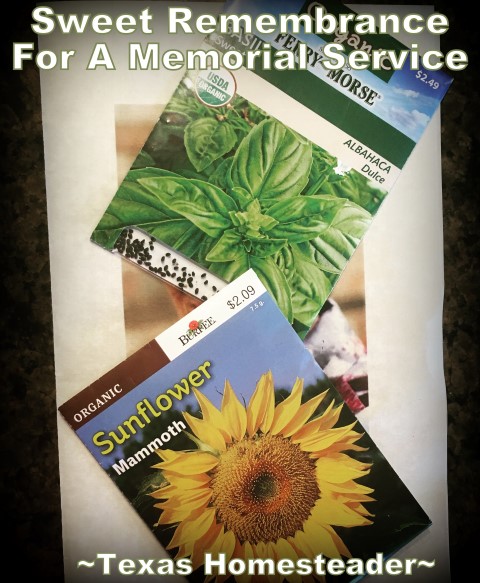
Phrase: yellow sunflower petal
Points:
(345, 444)
(187, 482)
(234, 413)
(190, 463)
(163, 492)
(264, 551)
(184, 551)
(321, 540)
(212, 415)
(341, 494)
(350, 488)
(330, 511)
(357, 507)
(303, 550)
(224, 544)
(324, 439)
(286, 410)
(339, 468)
(286, 551)
(326, 421)
(269, 552)
(303, 415)
(178, 496)
(301, 545)
(247, 551)
(206, 432)
(261, 406)
(204, 544)
(355, 498)
(338, 542)
(260, 550)
(194, 528)
(243, 552)
(331, 417)
(166, 454)
(172, 515)
(188, 500)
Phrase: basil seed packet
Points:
(243, 460)
(280, 171)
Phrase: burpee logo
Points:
(195, 328)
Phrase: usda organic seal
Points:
(215, 88)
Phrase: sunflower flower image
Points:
(267, 481)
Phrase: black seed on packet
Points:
(204, 298)
(196, 291)
(203, 275)
(168, 254)
(181, 285)
(205, 282)
(214, 288)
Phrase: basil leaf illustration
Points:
(276, 283)
(272, 162)
(232, 269)
(220, 175)
(206, 140)
(347, 225)
(134, 206)
(321, 261)
(205, 205)
(143, 160)
(321, 170)
(312, 287)
(356, 188)
(302, 218)
(240, 191)
(262, 247)
(185, 105)
(148, 172)
(241, 196)
(228, 248)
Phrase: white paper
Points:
(404, 287)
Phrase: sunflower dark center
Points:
(264, 488)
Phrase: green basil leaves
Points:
(233, 189)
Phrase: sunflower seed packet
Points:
(281, 171)
(235, 449)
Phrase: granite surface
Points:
(30, 485)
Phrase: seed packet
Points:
(230, 443)
(276, 170)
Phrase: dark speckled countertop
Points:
(30, 485)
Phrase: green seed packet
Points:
(281, 171)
